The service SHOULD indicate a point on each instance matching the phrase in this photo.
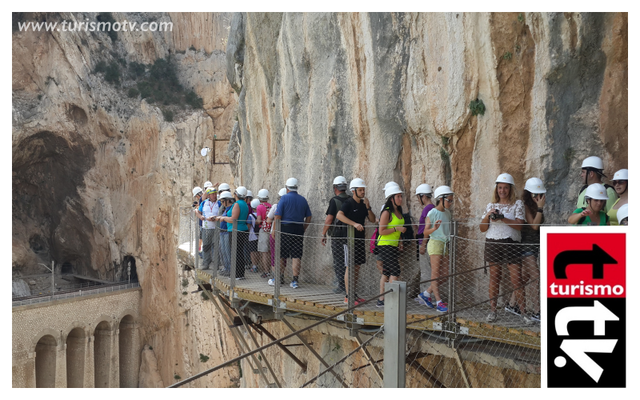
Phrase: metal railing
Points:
(79, 293)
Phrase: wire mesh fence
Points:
(472, 309)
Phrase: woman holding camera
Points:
(502, 221)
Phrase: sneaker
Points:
(356, 302)
(294, 284)
(492, 316)
(271, 282)
(380, 304)
(240, 278)
(424, 300)
(265, 275)
(254, 269)
(527, 319)
(513, 309)
(224, 273)
(535, 317)
(442, 307)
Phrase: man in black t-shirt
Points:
(354, 212)
(337, 247)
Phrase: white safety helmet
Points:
(223, 187)
(388, 185)
(596, 191)
(196, 190)
(594, 162)
(424, 189)
(255, 203)
(535, 185)
(207, 184)
(622, 175)
(443, 191)
(357, 183)
(263, 194)
(282, 192)
(392, 190)
(623, 212)
(340, 182)
(226, 195)
(249, 193)
(505, 178)
(241, 191)
(292, 184)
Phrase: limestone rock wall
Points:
(98, 176)
(386, 97)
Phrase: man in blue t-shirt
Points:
(295, 214)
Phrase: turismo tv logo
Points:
(586, 308)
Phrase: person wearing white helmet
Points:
(424, 194)
(593, 214)
(239, 212)
(207, 212)
(592, 172)
(620, 183)
(295, 214)
(270, 217)
(223, 187)
(502, 222)
(254, 228)
(262, 210)
(388, 242)
(226, 204)
(534, 198)
(337, 246)
(354, 211)
(623, 215)
(197, 193)
(249, 199)
(438, 229)
(207, 185)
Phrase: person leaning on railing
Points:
(502, 221)
(388, 242)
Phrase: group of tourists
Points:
(511, 226)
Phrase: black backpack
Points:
(332, 229)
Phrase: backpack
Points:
(581, 220)
(331, 232)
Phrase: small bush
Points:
(193, 99)
(133, 92)
(168, 115)
(108, 17)
(192, 48)
(112, 75)
(184, 294)
(100, 67)
(507, 55)
(136, 69)
(203, 358)
(145, 88)
(177, 377)
(477, 107)
(185, 282)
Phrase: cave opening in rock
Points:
(130, 261)
(67, 268)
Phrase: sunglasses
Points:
(448, 200)
(618, 182)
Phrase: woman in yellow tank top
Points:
(390, 228)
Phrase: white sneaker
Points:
(492, 316)
(271, 282)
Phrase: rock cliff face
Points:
(99, 176)
(387, 97)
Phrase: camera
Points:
(496, 216)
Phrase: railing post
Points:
(451, 318)
(196, 244)
(350, 318)
(216, 249)
(395, 328)
(234, 261)
(276, 270)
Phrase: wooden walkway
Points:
(320, 300)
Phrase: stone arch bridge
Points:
(89, 341)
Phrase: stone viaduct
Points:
(89, 341)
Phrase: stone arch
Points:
(126, 348)
(130, 312)
(46, 351)
(76, 355)
(108, 319)
(102, 351)
(43, 332)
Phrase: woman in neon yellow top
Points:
(390, 228)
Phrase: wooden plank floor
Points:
(320, 300)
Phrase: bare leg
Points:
(435, 273)
(531, 272)
(379, 265)
(264, 264)
(495, 276)
(516, 282)
(296, 263)
(255, 260)
(384, 279)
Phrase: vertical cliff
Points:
(387, 97)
